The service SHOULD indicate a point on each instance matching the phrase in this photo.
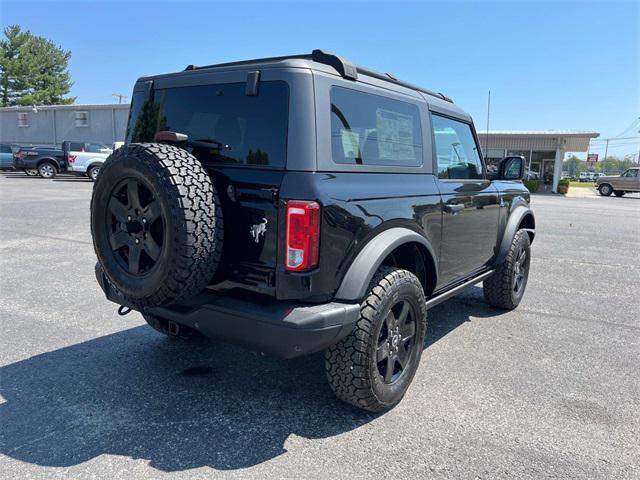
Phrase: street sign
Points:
(592, 157)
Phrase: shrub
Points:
(564, 182)
(532, 185)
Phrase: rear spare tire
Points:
(156, 222)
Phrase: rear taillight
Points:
(71, 158)
(303, 235)
(20, 154)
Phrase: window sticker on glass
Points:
(350, 143)
(395, 135)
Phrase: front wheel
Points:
(505, 288)
(31, 172)
(374, 365)
(605, 189)
(47, 170)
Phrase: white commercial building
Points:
(544, 151)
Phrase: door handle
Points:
(453, 209)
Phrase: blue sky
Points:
(549, 65)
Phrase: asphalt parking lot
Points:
(549, 390)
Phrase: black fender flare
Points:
(52, 160)
(356, 281)
(516, 217)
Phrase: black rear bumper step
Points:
(280, 328)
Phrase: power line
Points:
(634, 125)
(614, 139)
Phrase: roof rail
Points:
(343, 66)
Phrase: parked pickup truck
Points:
(44, 161)
(627, 182)
(76, 157)
(86, 158)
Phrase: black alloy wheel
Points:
(520, 270)
(396, 342)
(137, 227)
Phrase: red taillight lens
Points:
(303, 235)
(20, 154)
(71, 158)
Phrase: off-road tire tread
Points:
(347, 362)
(195, 204)
(497, 288)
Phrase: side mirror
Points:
(509, 168)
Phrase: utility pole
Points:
(486, 141)
(119, 96)
(606, 149)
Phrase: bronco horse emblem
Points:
(258, 229)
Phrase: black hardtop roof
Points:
(344, 67)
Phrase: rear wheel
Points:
(93, 173)
(505, 288)
(47, 170)
(31, 172)
(605, 189)
(373, 366)
(618, 193)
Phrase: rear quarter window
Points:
(368, 129)
(226, 125)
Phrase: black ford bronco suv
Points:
(303, 203)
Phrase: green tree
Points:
(614, 165)
(574, 165)
(33, 70)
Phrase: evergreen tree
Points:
(33, 70)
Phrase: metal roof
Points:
(545, 133)
(73, 106)
(566, 140)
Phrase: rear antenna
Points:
(486, 140)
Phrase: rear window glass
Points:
(371, 129)
(95, 147)
(224, 124)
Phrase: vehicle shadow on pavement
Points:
(177, 405)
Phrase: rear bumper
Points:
(280, 328)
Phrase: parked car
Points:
(587, 177)
(86, 158)
(7, 150)
(627, 182)
(531, 175)
(302, 204)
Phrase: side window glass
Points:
(369, 129)
(456, 149)
(630, 173)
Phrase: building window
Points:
(82, 119)
(23, 119)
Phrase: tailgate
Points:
(250, 210)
